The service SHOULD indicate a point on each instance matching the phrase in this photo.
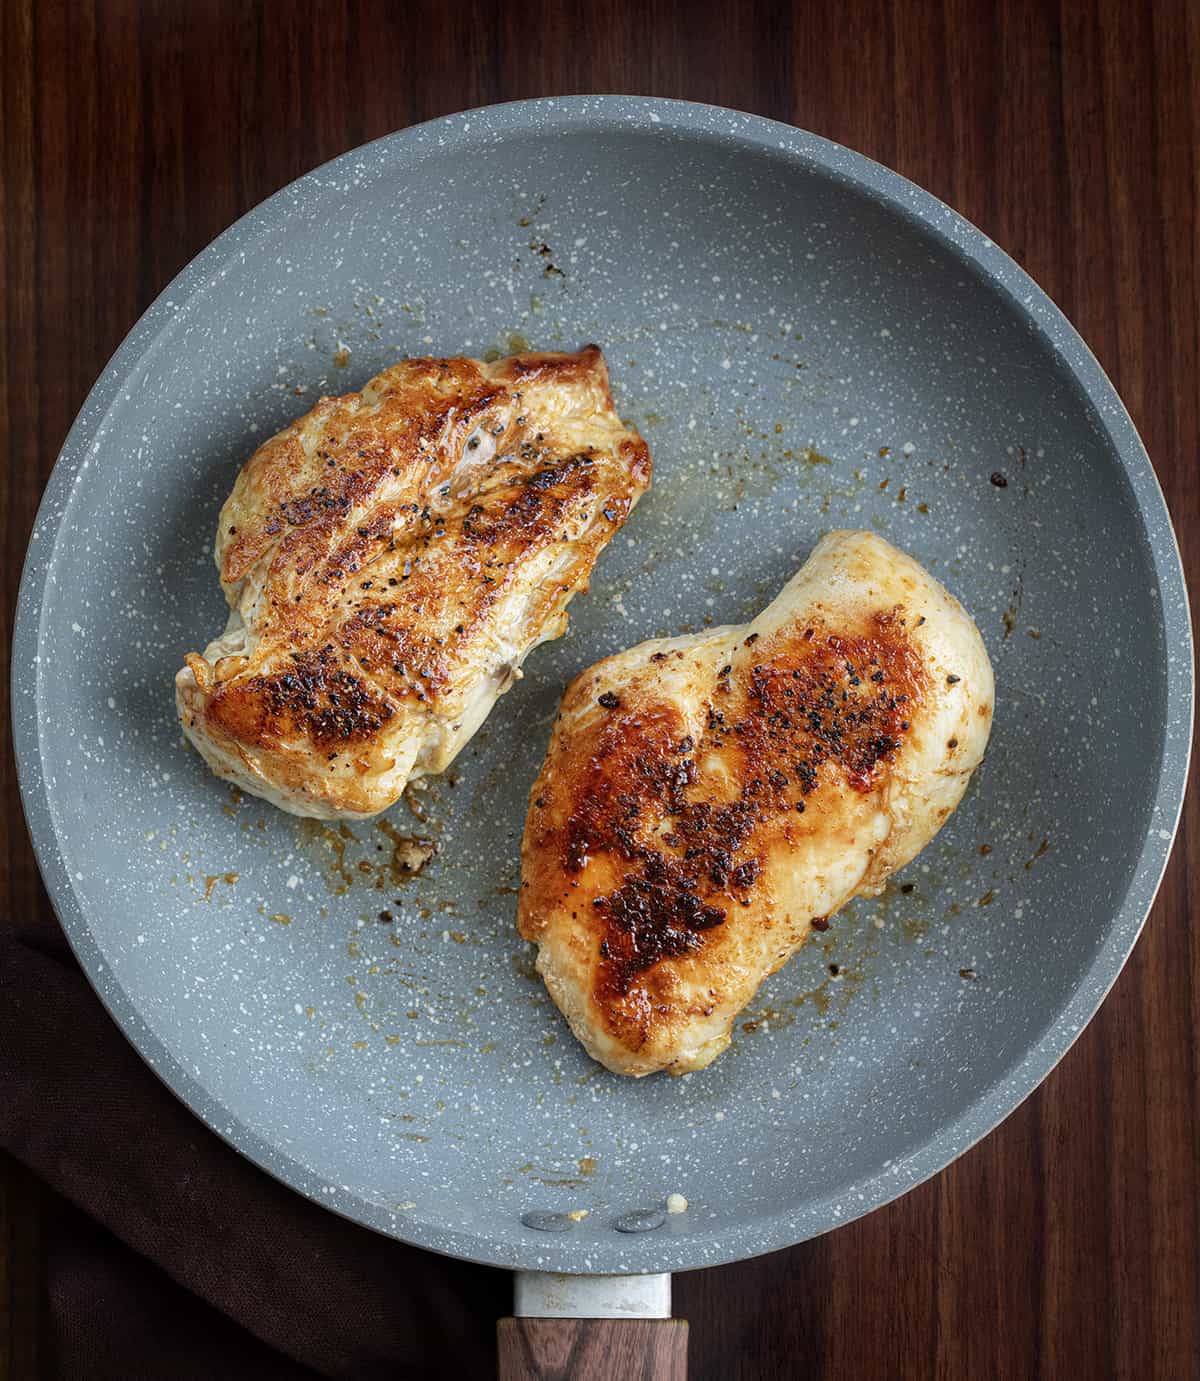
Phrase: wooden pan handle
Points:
(592, 1349)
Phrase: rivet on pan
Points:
(640, 1220)
(541, 1221)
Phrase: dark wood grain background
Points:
(132, 133)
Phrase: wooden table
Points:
(1066, 1244)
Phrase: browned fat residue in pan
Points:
(210, 882)
(334, 848)
(329, 846)
(410, 853)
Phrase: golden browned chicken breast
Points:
(389, 561)
(706, 801)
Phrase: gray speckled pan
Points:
(807, 341)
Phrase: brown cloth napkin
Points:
(183, 1259)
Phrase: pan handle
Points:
(592, 1328)
(592, 1349)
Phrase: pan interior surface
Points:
(807, 342)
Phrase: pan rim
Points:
(646, 116)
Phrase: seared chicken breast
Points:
(389, 561)
(707, 801)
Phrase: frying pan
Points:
(807, 341)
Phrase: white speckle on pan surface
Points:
(425, 1084)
